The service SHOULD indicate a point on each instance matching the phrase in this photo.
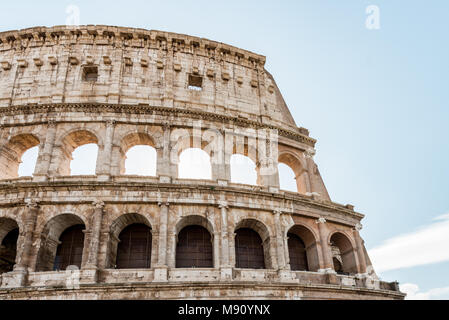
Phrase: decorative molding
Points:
(147, 109)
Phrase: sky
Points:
(373, 92)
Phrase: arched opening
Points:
(62, 243)
(84, 160)
(292, 173)
(9, 233)
(138, 155)
(78, 154)
(194, 163)
(249, 250)
(297, 252)
(243, 170)
(134, 248)
(343, 254)
(194, 248)
(287, 178)
(302, 249)
(130, 244)
(141, 161)
(20, 152)
(70, 248)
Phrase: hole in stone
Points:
(90, 74)
(195, 82)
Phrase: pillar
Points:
(41, 172)
(327, 263)
(279, 240)
(161, 268)
(360, 254)
(104, 165)
(94, 239)
(27, 234)
(165, 170)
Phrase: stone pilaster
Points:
(104, 165)
(18, 277)
(360, 254)
(161, 269)
(41, 172)
(327, 264)
(94, 241)
(166, 171)
(279, 240)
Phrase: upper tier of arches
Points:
(248, 157)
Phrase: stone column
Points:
(18, 277)
(327, 264)
(225, 263)
(91, 265)
(43, 166)
(161, 268)
(104, 165)
(279, 240)
(216, 249)
(268, 160)
(360, 254)
(164, 165)
(27, 234)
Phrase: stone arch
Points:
(299, 168)
(244, 146)
(116, 228)
(200, 251)
(262, 230)
(69, 142)
(343, 253)
(9, 234)
(11, 154)
(132, 139)
(50, 239)
(309, 239)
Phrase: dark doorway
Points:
(8, 250)
(249, 252)
(297, 253)
(194, 248)
(134, 249)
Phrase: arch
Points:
(194, 220)
(243, 170)
(191, 240)
(137, 139)
(11, 154)
(70, 248)
(343, 252)
(194, 248)
(69, 143)
(117, 227)
(287, 178)
(309, 254)
(299, 169)
(194, 163)
(9, 233)
(252, 245)
(52, 238)
(134, 248)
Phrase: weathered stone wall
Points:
(141, 97)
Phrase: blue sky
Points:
(376, 100)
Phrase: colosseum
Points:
(113, 235)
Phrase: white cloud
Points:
(412, 291)
(426, 245)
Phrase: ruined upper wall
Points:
(112, 65)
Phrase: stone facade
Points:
(64, 87)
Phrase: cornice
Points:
(128, 37)
(147, 109)
(94, 185)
